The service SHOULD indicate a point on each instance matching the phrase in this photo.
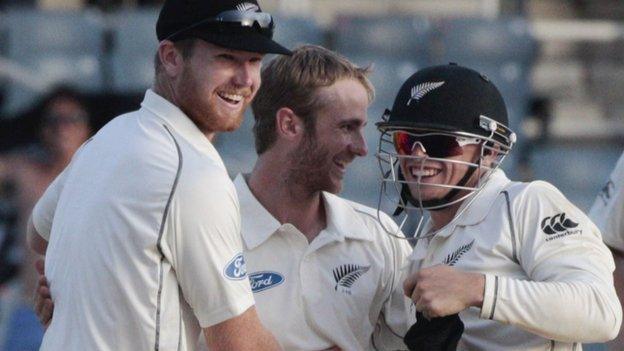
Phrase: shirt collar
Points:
(257, 224)
(344, 221)
(177, 119)
(476, 207)
(484, 200)
(473, 212)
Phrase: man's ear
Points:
(490, 153)
(288, 124)
(170, 58)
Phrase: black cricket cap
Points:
(182, 19)
(447, 98)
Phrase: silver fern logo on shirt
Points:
(452, 259)
(419, 91)
(346, 275)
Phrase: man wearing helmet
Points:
(524, 268)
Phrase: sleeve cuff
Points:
(490, 295)
(41, 229)
(225, 313)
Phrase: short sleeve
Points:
(43, 212)
(203, 235)
(608, 209)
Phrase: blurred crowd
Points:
(77, 4)
(52, 132)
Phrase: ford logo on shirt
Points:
(236, 268)
(261, 281)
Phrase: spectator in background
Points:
(62, 125)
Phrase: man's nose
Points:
(418, 149)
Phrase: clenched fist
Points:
(441, 290)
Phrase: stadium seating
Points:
(53, 47)
(295, 31)
(134, 44)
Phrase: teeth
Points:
(428, 172)
(233, 97)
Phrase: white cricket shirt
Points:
(549, 282)
(144, 237)
(344, 288)
(608, 209)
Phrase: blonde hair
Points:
(293, 82)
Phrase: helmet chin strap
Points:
(406, 195)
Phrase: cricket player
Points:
(141, 231)
(323, 272)
(608, 212)
(525, 268)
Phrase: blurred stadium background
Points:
(558, 63)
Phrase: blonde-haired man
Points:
(323, 272)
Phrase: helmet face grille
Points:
(440, 110)
(394, 184)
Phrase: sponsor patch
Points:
(261, 281)
(236, 268)
(346, 275)
(558, 226)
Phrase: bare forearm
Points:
(244, 333)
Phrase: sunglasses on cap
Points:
(236, 19)
(434, 145)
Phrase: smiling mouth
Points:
(232, 99)
(418, 172)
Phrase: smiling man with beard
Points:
(323, 272)
(141, 231)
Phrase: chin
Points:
(332, 187)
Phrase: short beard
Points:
(309, 169)
(200, 109)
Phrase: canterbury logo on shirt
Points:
(452, 259)
(557, 224)
(346, 275)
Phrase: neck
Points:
(287, 202)
(442, 217)
(164, 89)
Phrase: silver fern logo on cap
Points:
(422, 89)
(247, 7)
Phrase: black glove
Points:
(437, 334)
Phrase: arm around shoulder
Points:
(227, 335)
